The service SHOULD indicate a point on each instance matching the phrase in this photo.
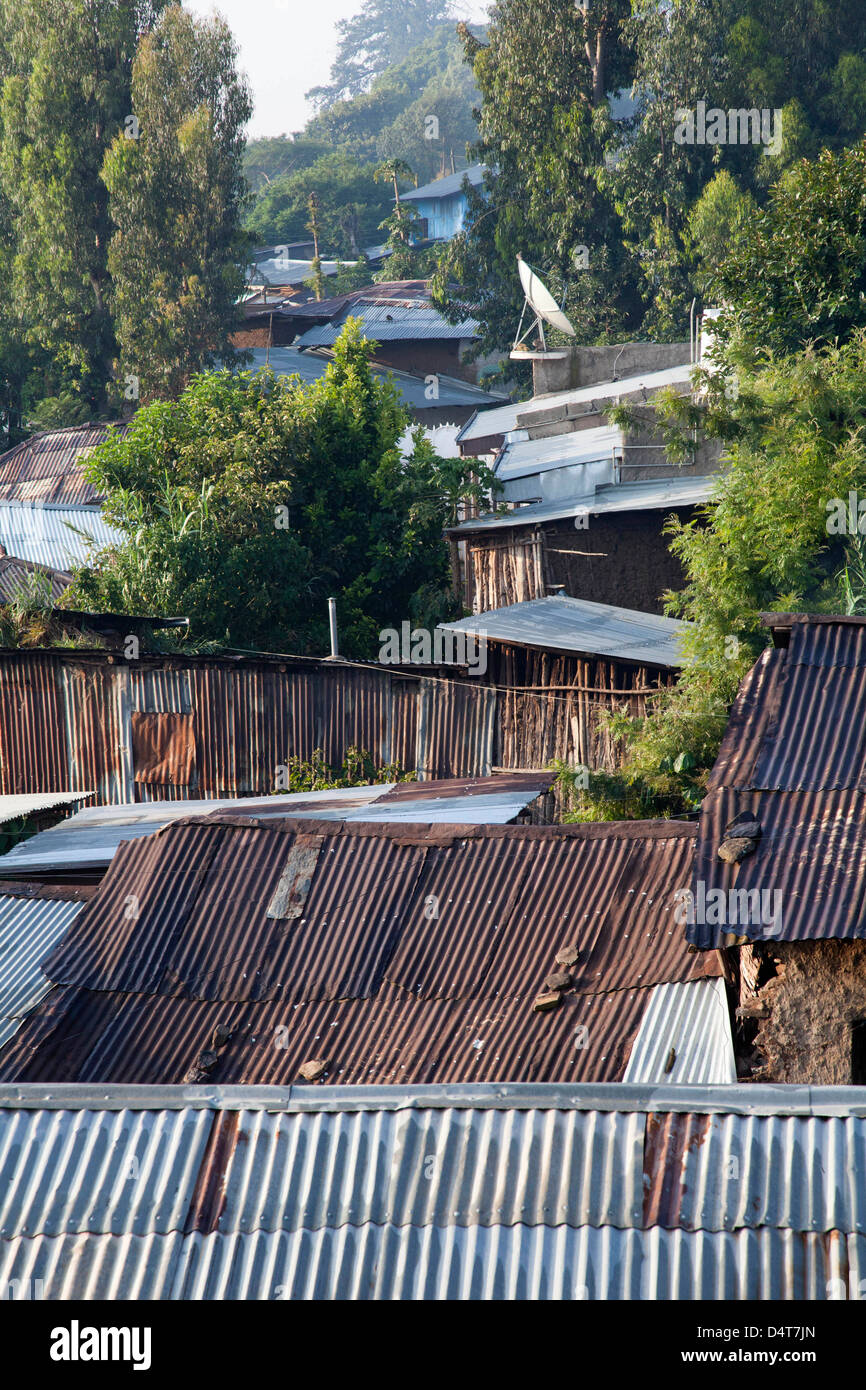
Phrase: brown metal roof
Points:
(47, 467)
(16, 574)
(397, 953)
(794, 758)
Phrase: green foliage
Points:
(357, 770)
(252, 499)
(796, 440)
(351, 205)
(797, 271)
(65, 95)
(382, 34)
(543, 133)
(176, 195)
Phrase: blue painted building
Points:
(443, 203)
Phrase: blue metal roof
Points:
(289, 361)
(447, 187)
(386, 323)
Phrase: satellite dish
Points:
(545, 310)
(539, 298)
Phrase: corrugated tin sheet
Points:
(449, 185)
(661, 494)
(47, 467)
(472, 1194)
(29, 929)
(90, 838)
(410, 953)
(66, 721)
(389, 323)
(505, 419)
(810, 853)
(12, 807)
(576, 625)
(17, 575)
(684, 1037)
(532, 456)
(413, 390)
(59, 537)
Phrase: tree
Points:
(797, 272)
(383, 33)
(176, 200)
(251, 499)
(543, 132)
(65, 96)
(351, 206)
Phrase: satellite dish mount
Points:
(544, 309)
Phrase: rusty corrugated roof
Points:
(47, 467)
(17, 575)
(409, 953)
(794, 759)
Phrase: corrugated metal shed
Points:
(410, 953)
(390, 323)
(29, 929)
(524, 457)
(576, 625)
(278, 270)
(472, 1192)
(47, 467)
(662, 494)
(90, 838)
(162, 728)
(52, 535)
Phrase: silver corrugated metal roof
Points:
(477, 1192)
(55, 536)
(504, 419)
(286, 271)
(655, 495)
(29, 928)
(90, 838)
(525, 456)
(31, 803)
(447, 186)
(684, 1037)
(385, 323)
(289, 361)
(560, 623)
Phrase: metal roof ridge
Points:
(624, 1097)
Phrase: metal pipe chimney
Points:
(332, 618)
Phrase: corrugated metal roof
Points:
(575, 625)
(793, 756)
(684, 1036)
(413, 390)
(523, 457)
(448, 186)
(29, 929)
(90, 838)
(389, 323)
(808, 864)
(59, 537)
(561, 1192)
(12, 807)
(286, 271)
(17, 575)
(415, 953)
(47, 467)
(662, 494)
(505, 419)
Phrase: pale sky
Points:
(287, 47)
